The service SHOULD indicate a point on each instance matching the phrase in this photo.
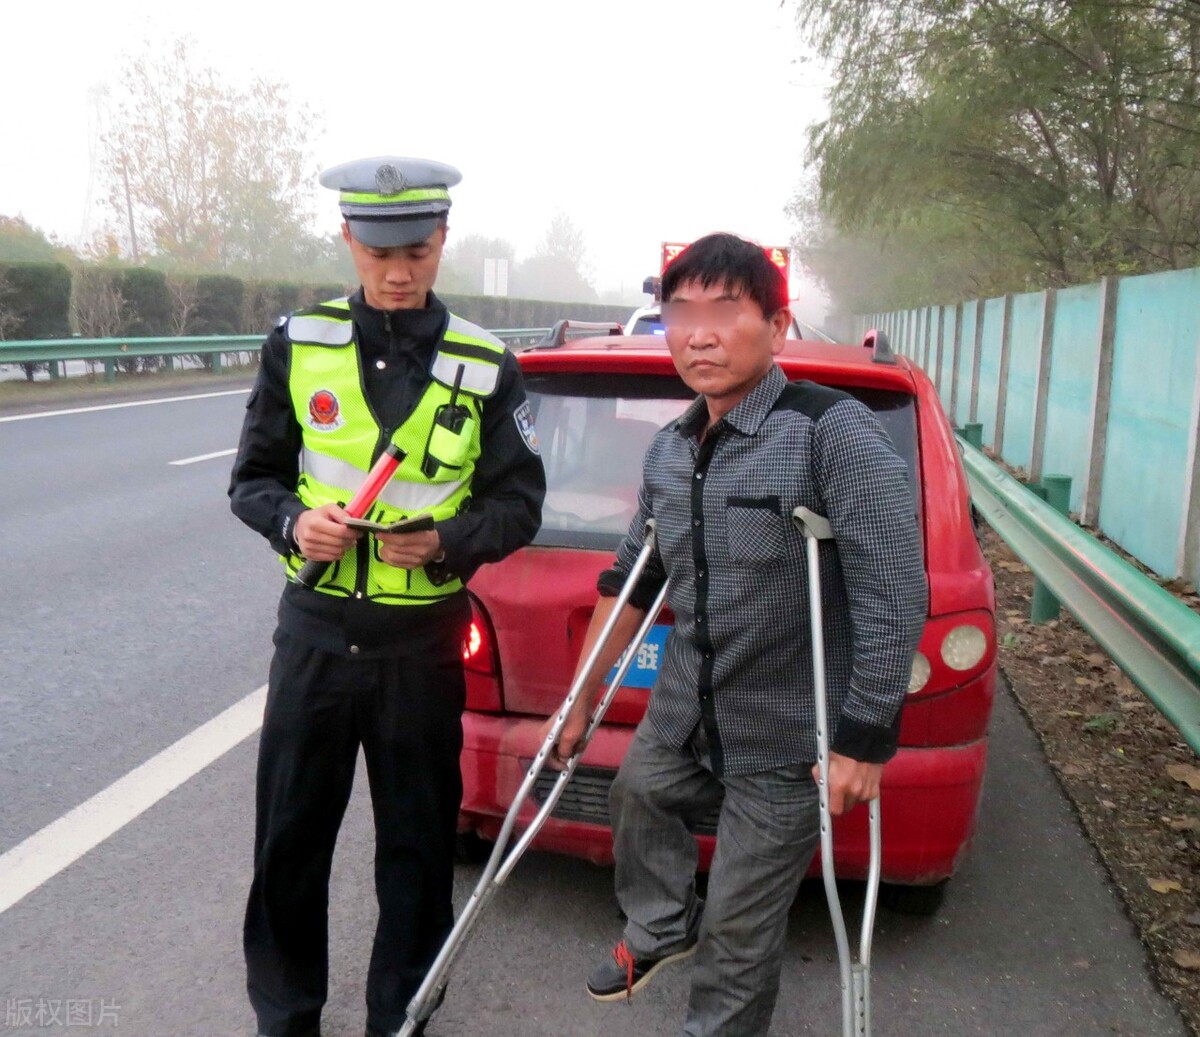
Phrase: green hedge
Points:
(265, 302)
(210, 304)
(491, 311)
(39, 296)
(219, 302)
(147, 308)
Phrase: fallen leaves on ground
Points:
(1185, 773)
(1129, 773)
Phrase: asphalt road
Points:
(137, 608)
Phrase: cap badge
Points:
(389, 180)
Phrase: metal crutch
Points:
(855, 975)
(499, 867)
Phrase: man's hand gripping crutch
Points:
(500, 865)
(855, 975)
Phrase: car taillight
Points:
(481, 664)
(954, 649)
(920, 673)
(964, 647)
(953, 680)
(473, 645)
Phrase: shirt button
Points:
(695, 522)
(699, 475)
(699, 574)
(354, 649)
(700, 618)
(381, 364)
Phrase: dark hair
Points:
(725, 258)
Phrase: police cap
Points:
(389, 202)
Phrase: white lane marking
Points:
(204, 457)
(118, 406)
(44, 854)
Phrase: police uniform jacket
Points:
(396, 349)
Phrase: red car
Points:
(597, 405)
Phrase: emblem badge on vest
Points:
(324, 412)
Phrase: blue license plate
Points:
(644, 669)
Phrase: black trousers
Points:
(407, 715)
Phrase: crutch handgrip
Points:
(811, 524)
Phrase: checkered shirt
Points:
(739, 659)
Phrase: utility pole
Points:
(129, 208)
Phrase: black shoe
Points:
(623, 974)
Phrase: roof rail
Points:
(877, 341)
(564, 330)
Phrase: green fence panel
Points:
(1020, 398)
(1150, 410)
(1071, 392)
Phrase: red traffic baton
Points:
(377, 478)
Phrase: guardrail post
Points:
(1042, 385)
(1055, 490)
(55, 372)
(168, 362)
(216, 363)
(1002, 377)
(928, 352)
(110, 370)
(1093, 474)
(941, 345)
(973, 411)
(972, 432)
(1187, 551)
(955, 359)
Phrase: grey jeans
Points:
(766, 837)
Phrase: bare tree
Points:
(205, 172)
(185, 297)
(97, 303)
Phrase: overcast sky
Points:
(644, 120)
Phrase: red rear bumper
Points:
(930, 801)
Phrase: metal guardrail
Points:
(1148, 632)
(111, 350)
(812, 331)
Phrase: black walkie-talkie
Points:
(452, 417)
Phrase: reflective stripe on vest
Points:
(404, 496)
(322, 329)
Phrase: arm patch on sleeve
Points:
(523, 416)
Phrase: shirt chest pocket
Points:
(756, 531)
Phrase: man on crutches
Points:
(732, 717)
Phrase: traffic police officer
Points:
(372, 654)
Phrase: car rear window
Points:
(594, 430)
(648, 326)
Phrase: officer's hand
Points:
(569, 739)
(409, 550)
(850, 782)
(322, 533)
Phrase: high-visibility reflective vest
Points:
(342, 438)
